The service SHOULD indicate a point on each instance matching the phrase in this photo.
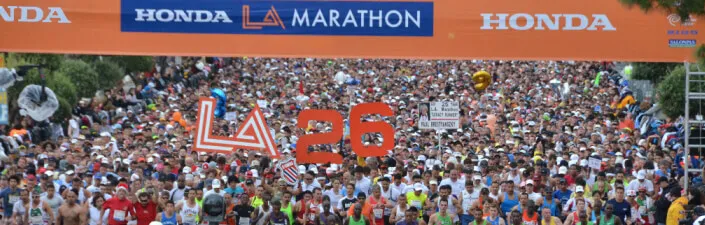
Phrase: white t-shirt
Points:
(76, 130)
(363, 185)
(635, 185)
(457, 187)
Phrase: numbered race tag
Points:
(14, 198)
(119, 215)
(244, 221)
(378, 213)
(416, 203)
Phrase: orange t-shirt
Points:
(368, 212)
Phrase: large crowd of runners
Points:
(525, 153)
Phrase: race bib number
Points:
(14, 198)
(378, 213)
(119, 215)
(416, 203)
(36, 220)
(244, 221)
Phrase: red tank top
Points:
(533, 220)
(313, 208)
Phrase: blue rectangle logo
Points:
(278, 17)
(682, 43)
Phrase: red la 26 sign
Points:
(253, 133)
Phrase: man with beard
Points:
(71, 213)
(145, 210)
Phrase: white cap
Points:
(216, 183)
(302, 169)
(70, 172)
(562, 170)
(433, 182)
(186, 170)
(529, 182)
(579, 189)
(641, 175)
(134, 177)
(418, 187)
(476, 177)
(105, 160)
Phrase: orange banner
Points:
(442, 29)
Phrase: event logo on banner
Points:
(278, 17)
(289, 170)
(593, 30)
(253, 134)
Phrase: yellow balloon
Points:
(482, 80)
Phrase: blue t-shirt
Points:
(621, 210)
(562, 196)
(9, 197)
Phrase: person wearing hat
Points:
(119, 207)
(417, 198)
(579, 194)
(562, 193)
(641, 182)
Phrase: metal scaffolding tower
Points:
(694, 83)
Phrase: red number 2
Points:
(357, 129)
(302, 153)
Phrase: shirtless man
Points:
(71, 213)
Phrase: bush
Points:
(84, 77)
(655, 72)
(671, 93)
(109, 72)
(133, 64)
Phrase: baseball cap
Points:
(562, 170)
(579, 189)
(641, 175)
(216, 183)
(418, 187)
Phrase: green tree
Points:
(655, 72)
(84, 77)
(51, 61)
(134, 63)
(684, 8)
(109, 72)
(672, 95)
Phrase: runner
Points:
(118, 207)
(145, 209)
(263, 211)
(244, 211)
(38, 213)
(71, 213)
(19, 209)
(609, 218)
(94, 211)
(548, 219)
(169, 216)
(357, 218)
(442, 217)
(326, 214)
(10, 195)
(188, 208)
(400, 210)
(277, 217)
